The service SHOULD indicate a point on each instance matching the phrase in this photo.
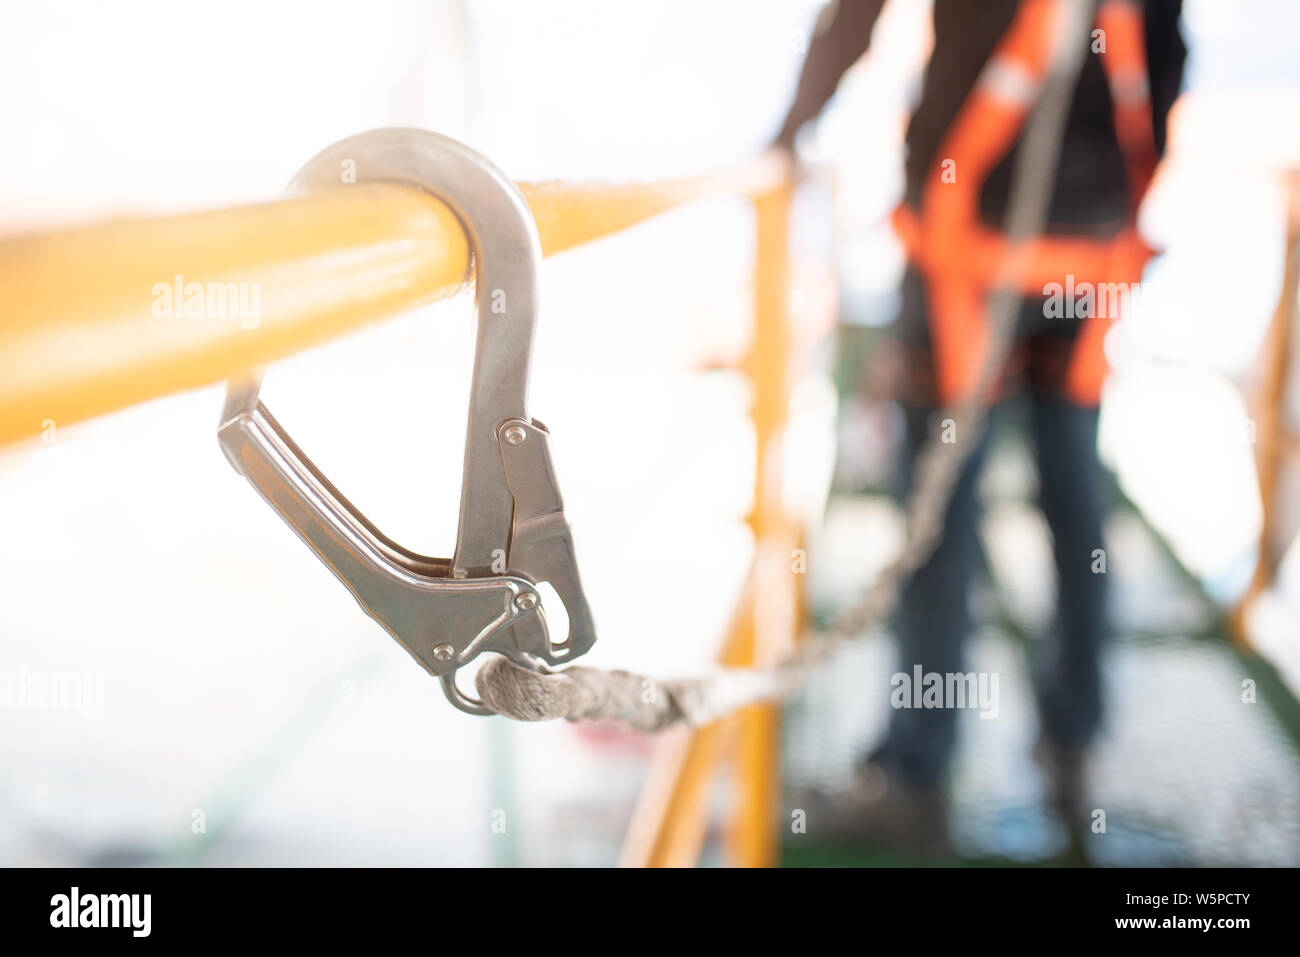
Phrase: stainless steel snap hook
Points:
(512, 534)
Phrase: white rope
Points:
(643, 704)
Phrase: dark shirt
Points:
(1091, 192)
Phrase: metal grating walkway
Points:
(1187, 772)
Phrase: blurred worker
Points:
(985, 73)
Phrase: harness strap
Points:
(962, 259)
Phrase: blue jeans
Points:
(934, 617)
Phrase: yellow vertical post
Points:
(670, 822)
(1270, 415)
(668, 825)
(671, 817)
(752, 835)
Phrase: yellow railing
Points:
(78, 331)
(80, 336)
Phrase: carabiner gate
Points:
(512, 533)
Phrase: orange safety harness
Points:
(962, 259)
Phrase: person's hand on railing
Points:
(783, 152)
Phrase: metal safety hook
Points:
(512, 534)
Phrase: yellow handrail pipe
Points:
(97, 319)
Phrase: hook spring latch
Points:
(512, 534)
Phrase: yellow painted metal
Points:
(1269, 409)
(669, 823)
(88, 324)
(752, 835)
(91, 321)
(671, 816)
(570, 214)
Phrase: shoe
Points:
(885, 811)
(1065, 772)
